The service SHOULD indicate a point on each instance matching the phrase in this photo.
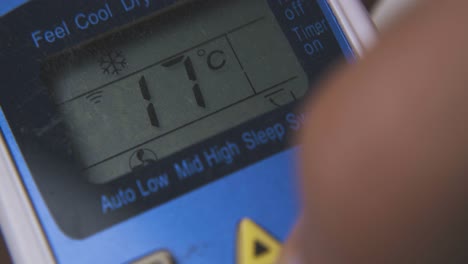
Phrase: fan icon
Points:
(112, 62)
(142, 158)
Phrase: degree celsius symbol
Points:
(215, 60)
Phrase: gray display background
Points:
(106, 113)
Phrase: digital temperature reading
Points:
(140, 95)
(191, 74)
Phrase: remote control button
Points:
(255, 245)
(161, 257)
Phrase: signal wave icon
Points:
(95, 97)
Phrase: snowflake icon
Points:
(112, 62)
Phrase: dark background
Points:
(4, 257)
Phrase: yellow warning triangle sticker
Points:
(255, 245)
